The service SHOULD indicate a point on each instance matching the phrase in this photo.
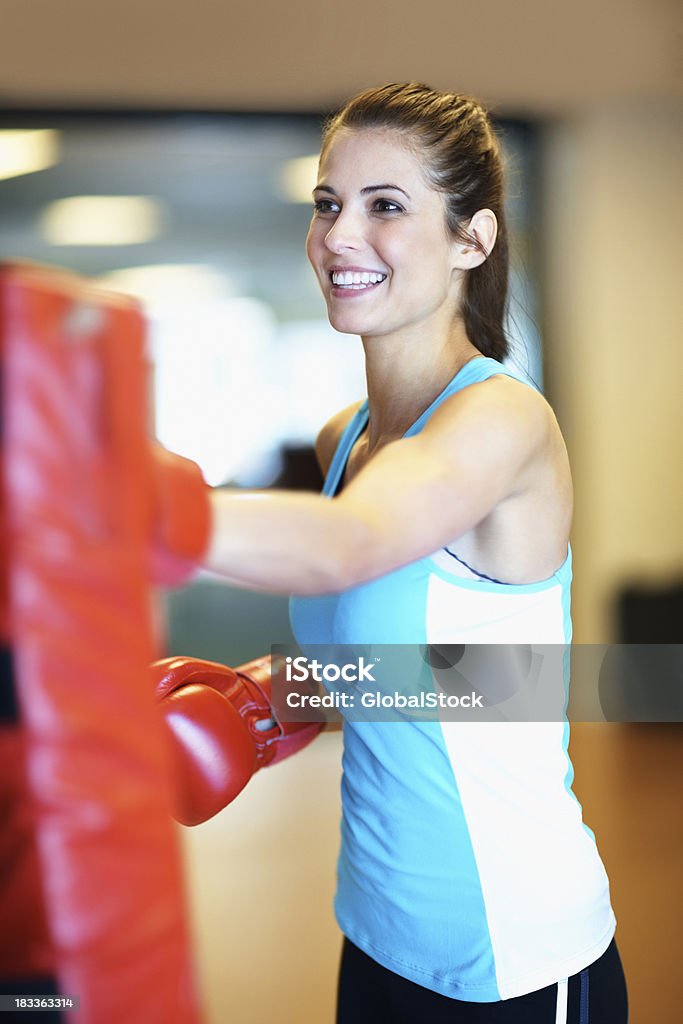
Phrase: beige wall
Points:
(612, 269)
(527, 57)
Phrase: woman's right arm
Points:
(220, 722)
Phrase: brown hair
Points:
(463, 161)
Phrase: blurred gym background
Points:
(168, 152)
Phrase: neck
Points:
(405, 375)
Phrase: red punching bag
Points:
(89, 849)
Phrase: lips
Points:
(347, 280)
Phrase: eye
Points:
(325, 206)
(386, 206)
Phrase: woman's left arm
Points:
(415, 495)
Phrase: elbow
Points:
(342, 572)
(333, 573)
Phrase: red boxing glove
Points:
(181, 517)
(223, 729)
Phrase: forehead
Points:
(377, 154)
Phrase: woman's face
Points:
(378, 240)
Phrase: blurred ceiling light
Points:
(165, 284)
(25, 151)
(298, 178)
(101, 220)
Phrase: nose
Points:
(345, 233)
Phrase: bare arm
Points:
(414, 496)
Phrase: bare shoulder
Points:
(329, 436)
(501, 412)
(508, 427)
(508, 431)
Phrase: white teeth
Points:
(353, 278)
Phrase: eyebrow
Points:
(364, 191)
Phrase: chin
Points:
(348, 324)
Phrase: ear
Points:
(482, 228)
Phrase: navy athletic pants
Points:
(371, 994)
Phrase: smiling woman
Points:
(471, 183)
(466, 876)
(400, 231)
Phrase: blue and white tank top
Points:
(465, 865)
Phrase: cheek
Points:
(315, 251)
(315, 240)
(310, 244)
(407, 248)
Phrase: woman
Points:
(469, 889)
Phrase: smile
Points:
(353, 280)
